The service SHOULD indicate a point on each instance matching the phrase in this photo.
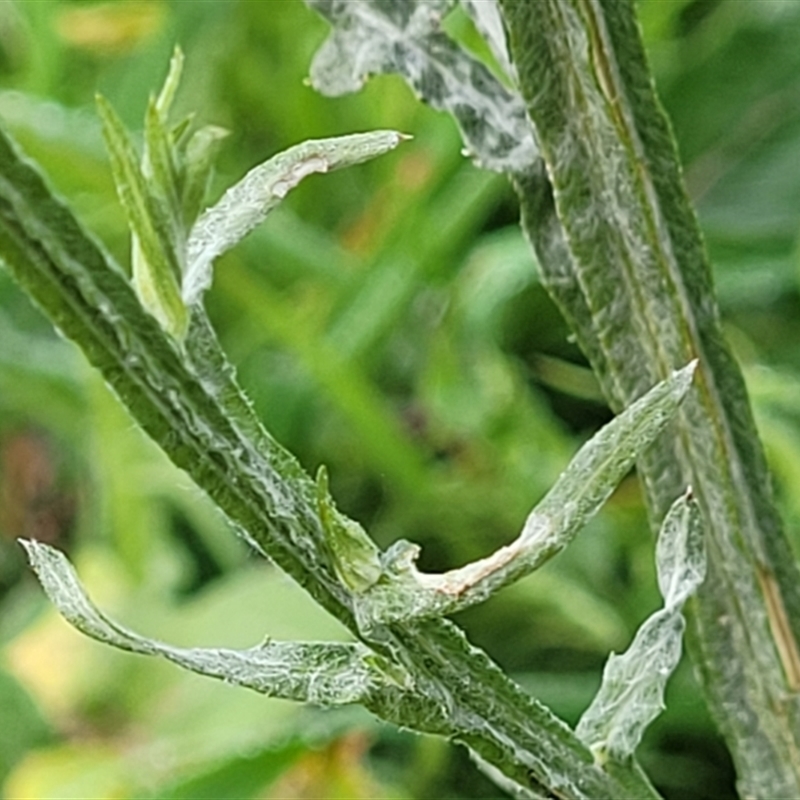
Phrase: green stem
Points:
(187, 400)
(621, 253)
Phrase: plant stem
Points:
(621, 253)
(186, 398)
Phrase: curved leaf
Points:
(247, 204)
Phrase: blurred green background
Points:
(386, 321)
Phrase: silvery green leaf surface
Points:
(580, 491)
(246, 204)
(313, 672)
(621, 253)
(632, 692)
(372, 37)
(680, 552)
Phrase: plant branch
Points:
(187, 400)
(580, 491)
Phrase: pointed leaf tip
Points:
(248, 203)
(685, 375)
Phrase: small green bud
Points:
(356, 557)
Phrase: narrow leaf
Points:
(246, 204)
(631, 695)
(166, 96)
(313, 672)
(372, 37)
(160, 168)
(632, 692)
(403, 592)
(156, 269)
